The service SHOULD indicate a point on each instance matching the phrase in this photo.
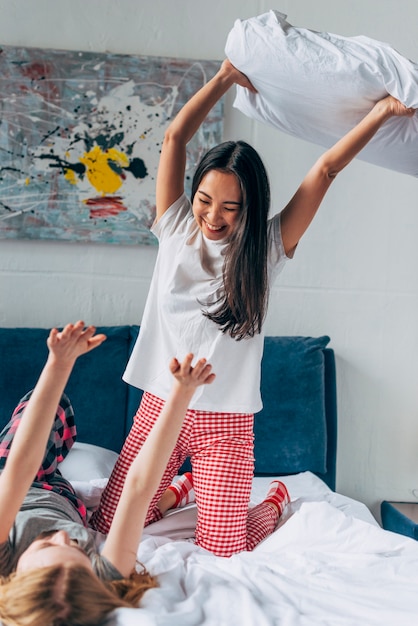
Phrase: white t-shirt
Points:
(188, 272)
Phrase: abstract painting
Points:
(80, 137)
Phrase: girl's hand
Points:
(192, 377)
(73, 341)
(394, 107)
(238, 77)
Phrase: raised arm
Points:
(171, 168)
(144, 475)
(28, 447)
(298, 214)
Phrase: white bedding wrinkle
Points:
(320, 567)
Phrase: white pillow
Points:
(86, 462)
(317, 86)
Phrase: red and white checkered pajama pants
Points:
(221, 449)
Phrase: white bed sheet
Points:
(328, 563)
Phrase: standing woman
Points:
(218, 254)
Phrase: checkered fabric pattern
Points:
(61, 439)
(221, 449)
(183, 490)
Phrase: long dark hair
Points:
(242, 306)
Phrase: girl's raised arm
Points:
(171, 168)
(298, 214)
(28, 447)
(144, 475)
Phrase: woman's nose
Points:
(61, 537)
(214, 214)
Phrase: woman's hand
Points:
(192, 377)
(394, 107)
(238, 77)
(74, 340)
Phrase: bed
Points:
(328, 561)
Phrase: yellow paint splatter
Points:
(70, 176)
(99, 173)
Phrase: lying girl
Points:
(52, 573)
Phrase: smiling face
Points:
(217, 204)
(55, 549)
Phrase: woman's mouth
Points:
(212, 228)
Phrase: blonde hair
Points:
(67, 595)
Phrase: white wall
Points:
(354, 275)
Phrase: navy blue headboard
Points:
(97, 392)
(295, 431)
